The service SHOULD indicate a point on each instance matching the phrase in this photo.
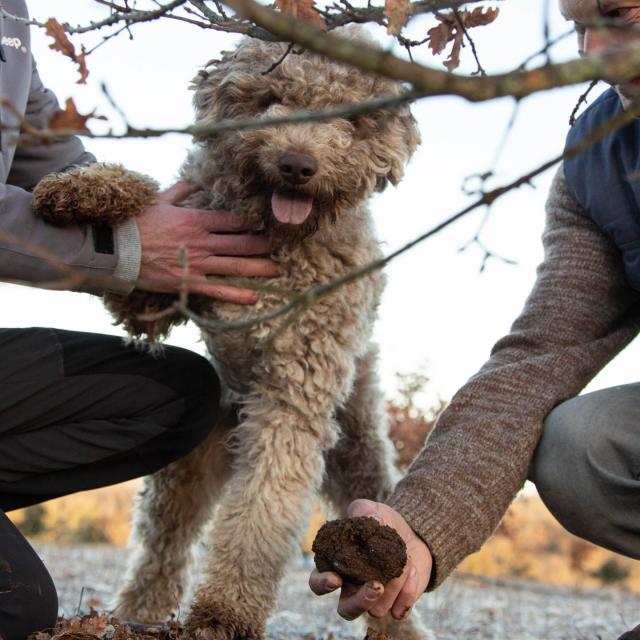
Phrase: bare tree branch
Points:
(32, 135)
(311, 295)
(623, 63)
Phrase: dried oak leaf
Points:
(397, 14)
(440, 36)
(451, 29)
(71, 118)
(304, 10)
(62, 44)
(453, 61)
(478, 17)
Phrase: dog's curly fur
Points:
(311, 415)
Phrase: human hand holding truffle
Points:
(399, 594)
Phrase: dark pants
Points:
(79, 411)
(587, 467)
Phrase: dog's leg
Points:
(258, 526)
(361, 466)
(171, 510)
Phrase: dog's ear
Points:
(408, 136)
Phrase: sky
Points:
(441, 312)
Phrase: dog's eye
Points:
(354, 120)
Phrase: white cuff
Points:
(129, 256)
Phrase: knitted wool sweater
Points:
(580, 314)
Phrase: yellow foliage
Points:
(531, 544)
(101, 515)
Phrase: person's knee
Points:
(30, 603)
(199, 385)
(583, 467)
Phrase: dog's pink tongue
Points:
(291, 210)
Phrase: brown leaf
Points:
(397, 13)
(453, 61)
(304, 10)
(477, 18)
(71, 118)
(95, 624)
(450, 30)
(439, 37)
(62, 44)
(61, 41)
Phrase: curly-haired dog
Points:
(310, 414)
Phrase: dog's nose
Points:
(297, 168)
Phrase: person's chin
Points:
(629, 92)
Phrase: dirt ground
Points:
(464, 608)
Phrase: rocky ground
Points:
(464, 608)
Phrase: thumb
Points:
(364, 507)
(178, 192)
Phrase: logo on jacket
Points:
(14, 43)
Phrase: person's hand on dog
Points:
(399, 595)
(212, 248)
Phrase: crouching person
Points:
(79, 410)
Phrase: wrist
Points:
(128, 249)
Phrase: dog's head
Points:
(298, 175)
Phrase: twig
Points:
(279, 61)
(480, 70)
(312, 294)
(201, 132)
(582, 99)
(622, 63)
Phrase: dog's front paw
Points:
(134, 605)
(106, 193)
(214, 621)
(410, 629)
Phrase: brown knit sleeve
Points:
(579, 315)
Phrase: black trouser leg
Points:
(28, 599)
(79, 411)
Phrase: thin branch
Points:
(582, 99)
(313, 294)
(480, 70)
(622, 63)
(201, 131)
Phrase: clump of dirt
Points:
(360, 550)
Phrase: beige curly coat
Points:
(311, 415)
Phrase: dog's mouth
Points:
(291, 207)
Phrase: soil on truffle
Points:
(360, 550)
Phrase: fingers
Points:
(239, 245)
(218, 220)
(226, 294)
(178, 192)
(324, 582)
(399, 595)
(407, 597)
(355, 601)
(241, 267)
(365, 508)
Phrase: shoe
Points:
(634, 634)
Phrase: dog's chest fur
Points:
(247, 356)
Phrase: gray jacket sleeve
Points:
(27, 243)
